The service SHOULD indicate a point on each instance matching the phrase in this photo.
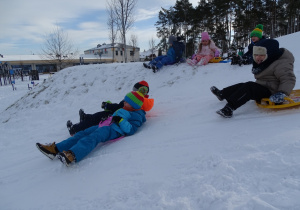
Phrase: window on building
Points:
(121, 53)
(131, 53)
(116, 52)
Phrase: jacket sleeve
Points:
(286, 78)
(213, 46)
(171, 53)
(114, 107)
(124, 125)
(250, 51)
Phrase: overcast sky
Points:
(24, 24)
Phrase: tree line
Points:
(229, 23)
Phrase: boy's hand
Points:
(104, 104)
(116, 119)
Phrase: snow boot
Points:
(190, 62)
(66, 157)
(201, 62)
(154, 68)
(226, 111)
(146, 66)
(70, 127)
(81, 115)
(50, 150)
(217, 92)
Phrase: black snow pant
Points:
(91, 120)
(238, 94)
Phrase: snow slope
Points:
(184, 157)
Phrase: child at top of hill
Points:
(206, 51)
(89, 120)
(125, 122)
(273, 69)
(256, 37)
(174, 55)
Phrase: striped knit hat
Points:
(136, 98)
(257, 31)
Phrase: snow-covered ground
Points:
(185, 157)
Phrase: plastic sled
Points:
(292, 100)
(225, 61)
(215, 60)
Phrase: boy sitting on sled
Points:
(174, 55)
(273, 69)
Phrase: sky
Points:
(24, 24)
(184, 157)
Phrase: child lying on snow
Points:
(124, 122)
(89, 120)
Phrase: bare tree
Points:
(133, 42)
(123, 12)
(111, 23)
(152, 47)
(58, 48)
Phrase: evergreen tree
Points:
(222, 18)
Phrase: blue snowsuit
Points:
(164, 59)
(83, 142)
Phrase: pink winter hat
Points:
(205, 36)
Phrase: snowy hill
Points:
(184, 157)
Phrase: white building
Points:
(101, 54)
(116, 52)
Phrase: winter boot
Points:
(50, 150)
(81, 115)
(66, 157)
(201, 62)
(146, 66)
(154, 68)
(226, 111)
(190, 62)
(70, 127)
(217, 93)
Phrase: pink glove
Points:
(217, 53)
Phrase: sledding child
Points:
(125, 122)
(256, 36)
(89, 120)
(174, 55)
(206, 51)
(273, 69)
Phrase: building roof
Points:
(7, 58)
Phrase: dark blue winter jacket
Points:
(249, 53)
(171, 54)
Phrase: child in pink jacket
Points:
(206, 51)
